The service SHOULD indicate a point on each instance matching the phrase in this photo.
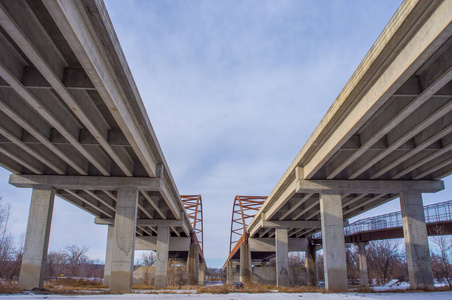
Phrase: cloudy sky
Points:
(233, 90)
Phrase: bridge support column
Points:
(282, 257)
(108, 254)
(230, 273)
(37, 239)
(310, 264)
(363, 263)
(416, 242)
(202, 273)
(161, 266)
(333, 241)
(124, 240)
(193, 264)
(246, 275)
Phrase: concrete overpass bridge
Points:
(386, 136)
(72, 124)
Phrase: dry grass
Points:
(75, 283)
(257, 289)
(9, 287)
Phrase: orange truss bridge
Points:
(244, 209)
(193, 206)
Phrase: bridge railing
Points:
(434, 213)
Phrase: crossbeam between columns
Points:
(86, 182)
(369, 186)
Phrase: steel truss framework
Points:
(193, 206)
(243, 210)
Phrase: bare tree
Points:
(7, 249)
(442, 256)
(384, 259)
(296, 259)
(76, 257)
(352, 261)
(147, 260)
(320, 267)
(56, 262)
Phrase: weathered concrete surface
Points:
(335, 267)
(124, 240)
(416, 242)
(245, 264)
(310, 264)
(363, 263)
(37, 239)
(193, 264)
(108, 254)
(282, 257)
(161, 270)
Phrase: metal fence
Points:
(439, 212)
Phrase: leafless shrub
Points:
(442, 256)
(147, 260)
(385, 260)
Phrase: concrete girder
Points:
(425, 42)
(296, 205)
(84, 109)
(67, 16)
(25, 122)
(72, 137)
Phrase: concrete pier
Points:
(335, 267)
(416, 242)
(229, 273)
(37, 239)
(310, 264)
(193, 264)
(245, 264)
(108, 254)
(363, 263)
(124, 240)
(282, 257)
(161, 266)
(202, 273)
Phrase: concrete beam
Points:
(268, 244)
(143, 222)
(290, 224)
(37, 239)
(150, 243)
(85, 182)
(369, 186)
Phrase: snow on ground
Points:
(237, 296)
